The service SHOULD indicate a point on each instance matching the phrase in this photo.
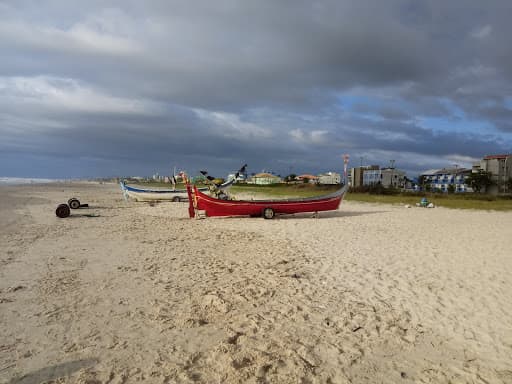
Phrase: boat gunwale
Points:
(321, 198)
(127, 187)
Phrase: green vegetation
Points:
(479, 180)
(459, 201)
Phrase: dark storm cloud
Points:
(135, 85)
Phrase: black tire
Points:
(74, 203)
(176, 199)
(268, 213)
(63, 211)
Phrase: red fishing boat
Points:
(212, 206)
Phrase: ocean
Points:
(24, 180)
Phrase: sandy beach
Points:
(125, 292)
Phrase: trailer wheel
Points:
(62, 211)
(74, 203)
(268, 213)
(176, 199)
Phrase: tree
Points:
(508, 184)
(290, 177)
(479, 180)
(423, 183)
(451, 188)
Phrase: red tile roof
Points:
(268, 175)
(490, 157)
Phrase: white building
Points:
(372, 177)
(264, 179)
(387, 177)
(441, 179)
(329, 178)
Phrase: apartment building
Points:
(500, 168)
(374, 175)
(356, 174)
(442, 179)
(387, 177)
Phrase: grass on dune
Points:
(466, 201)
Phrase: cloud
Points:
(136, 85)
(61, 94)
(230, 126)
(78, 39)
(482, 32)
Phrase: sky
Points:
(131, 88)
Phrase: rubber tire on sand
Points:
(63, 211)
(268, 213)
(74, 203)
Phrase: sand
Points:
(125, 292)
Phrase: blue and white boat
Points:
(176, 195)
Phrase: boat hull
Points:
(216, 207)
(150, 196)
(140, 194)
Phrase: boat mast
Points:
(346, 158)
(173, 178)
